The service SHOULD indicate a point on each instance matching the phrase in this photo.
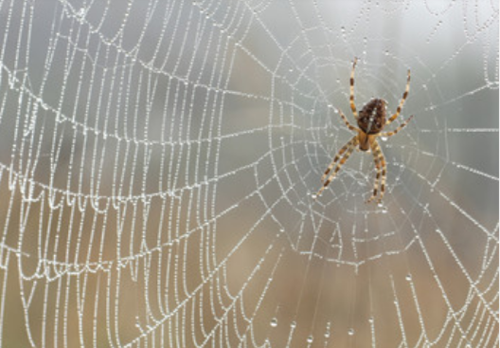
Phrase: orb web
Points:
(159, 163)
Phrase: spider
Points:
(371, 121)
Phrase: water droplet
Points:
(350, 332)
(81, 13)
(274, 322)
(327, 332)
(310, 339)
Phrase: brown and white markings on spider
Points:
(371, 121)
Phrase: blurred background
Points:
(159, 160)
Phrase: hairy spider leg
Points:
(350, 126)
(339, 154)
(401, 103)
(339, 165)
(401, 126)
(381, 167)
(351, 97)
(378, 168)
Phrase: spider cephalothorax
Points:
(371, 121)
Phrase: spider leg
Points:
(401, 103)
(350, 126)
(351, 98)
(377, 178)
(401, 126)
(339, 154)
(381, 167)
(350, 146)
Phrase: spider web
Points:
(159, 159)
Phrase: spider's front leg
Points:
(401, 103)
(381, 167)
(351, 97)
(348, 149)
(401, 126)
(347, 123)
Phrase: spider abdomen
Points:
(371, 118)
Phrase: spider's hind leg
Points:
(348, 149)
(339, 154)
(381, 167)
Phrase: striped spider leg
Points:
(343, 155)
